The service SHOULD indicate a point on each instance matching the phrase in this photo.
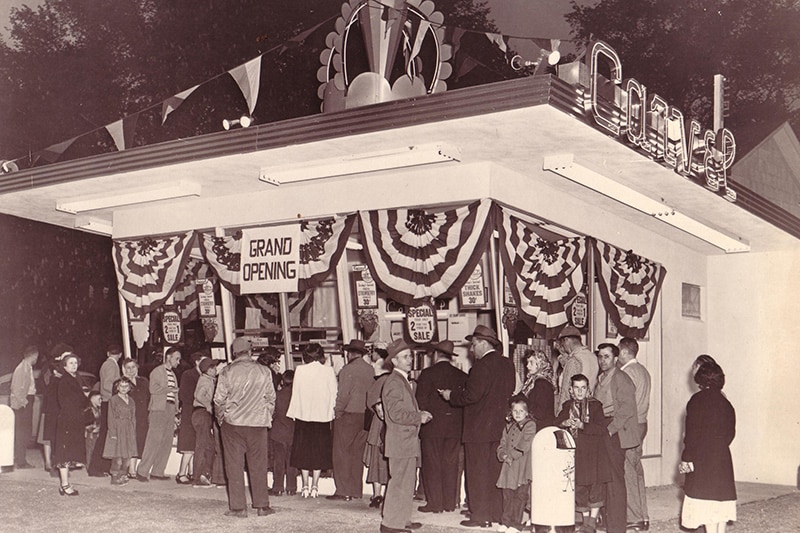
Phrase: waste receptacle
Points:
(6, 436)
(553, 480)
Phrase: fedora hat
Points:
(485, 333)
(396, 347)
(356, 345)
(445, 347)
(569, 331)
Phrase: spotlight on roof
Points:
(7, 167)
(243, 121)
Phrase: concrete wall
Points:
(754, 305)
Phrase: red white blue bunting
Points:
(323, 243)
(415, 255)
(629, 287)
(186, 290)
(148, 269)
(545, 276)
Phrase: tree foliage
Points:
(676, 49)
(71, 66)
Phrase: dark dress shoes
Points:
(24, 466)
(413, 525)
(265, 511)
(240, 513)
(336, 497)
(141, 478)
(275, 492)
(475, 523)
(643, 525)
(427, 509)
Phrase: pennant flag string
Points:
(247, 77)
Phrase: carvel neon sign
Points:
(648, 122)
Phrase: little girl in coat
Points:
(515, 454)
(120, 443)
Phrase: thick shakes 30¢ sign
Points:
(270, 259)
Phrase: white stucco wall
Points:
(754, 305)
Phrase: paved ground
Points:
(31, 503)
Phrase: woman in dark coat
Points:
(710, 498)
(74, 407)
(539, 388)
(49, 417)
(140, 393)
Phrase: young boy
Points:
(584, 417)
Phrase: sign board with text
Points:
(270, 259)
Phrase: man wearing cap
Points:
(99, 466)
(441, 439)
(575, 358)
(161, 418)
(244, 401)
(349, 435)
(403, 419)
(485, 397)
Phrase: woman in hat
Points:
(73, 415)
(311, 406)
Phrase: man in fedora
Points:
(485, 397)
(349, 435)
(441, 438)
(403, 419)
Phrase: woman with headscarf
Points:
(539, 388)
(710, 491)
(75, 412)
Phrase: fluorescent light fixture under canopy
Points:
(407, 156)
(564, 165)
(139, 195)
(94, 225)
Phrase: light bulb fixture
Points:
(7, 167)
(553, 57)
(564, 165)
(243, 121)
(407, 156)
(138, 195)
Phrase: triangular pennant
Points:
(544, 44)
(248, 78)
(122, 131)
(464, 64)
(554, 44)
(499, 40)
(173, 102)
(298, 39)
(455, 35)
(52, 153)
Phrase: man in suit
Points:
(161, 418)
(403, 419)
(485, 397)
(441, 439)
(23, 392)
(638, 517)
(618, 394)
(99, 466)
(349, 435)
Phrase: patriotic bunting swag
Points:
(629, 287)
(223, 254)
(414, 255)
(148, 269)
(323, 243)
(186, 290)
(544, 276)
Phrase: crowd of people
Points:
(415, 436)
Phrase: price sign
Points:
(473, 293)
(171, 327)
(366, 292)
(205, 298)
(580, 311)
(421, 324)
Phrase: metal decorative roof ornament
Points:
(382, 51)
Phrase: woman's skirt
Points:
(312, 447)
(377, 465)
(696, 513)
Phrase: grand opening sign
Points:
(652, 125)
(270, 259)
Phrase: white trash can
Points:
(6, 436)
(553, 479)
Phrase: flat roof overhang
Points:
(504, 131)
